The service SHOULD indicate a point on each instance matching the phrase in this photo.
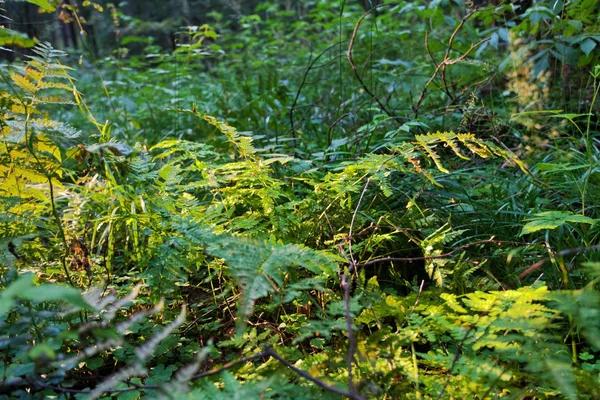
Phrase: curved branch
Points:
(353, 66)
(440, 68)
(310, 67)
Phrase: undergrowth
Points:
(281, 238)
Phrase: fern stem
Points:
(61, 232)
(573, 342)
(416, 368)
(589, 119)
(351, 339)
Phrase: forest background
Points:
(299, 199)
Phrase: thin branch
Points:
(337, 121)
(383, 259)
(355, 70)
(306, 72)
(566, 252)
(455, 360)
(429, 50)
(267, 353)
(346, 286)
(231, 364)
(306, 375)
(414, 306)
(362, 194)
(376, 227)
(458, 350)
(440, 68)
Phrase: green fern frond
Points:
(185, 150)
(259, 267)
(54, 129)
(243, 144)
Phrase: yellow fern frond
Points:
(477, 146)
(54, 85)
(427, 142)
(22, 82)
(54, 100)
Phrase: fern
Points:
(35, 325)
(260, 268)
(495, 342)
(30, 155)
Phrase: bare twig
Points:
(383, 259)
(337, 121)
(351, 394)
(458, 350)
(566, 252)
(346, 286)
(455, 360)
(440, 68)
(376, 227)
(267, 353)
(262, 354)
(306, 72)
(355, 70)
(362, 194)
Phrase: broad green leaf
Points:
(95, 363)
(587, 46)
(42, 350)
(7, 297)
(9, 37)
(44, 4)
(53, 292)
(553, 220)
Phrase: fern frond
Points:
(476, 146)
(427, 142)
(243, 144)
(185, 150)
(23, 82)
(54, 129)
(46, 52)
(259, 267)
(54, 100)
(449, 140)
(54, 85)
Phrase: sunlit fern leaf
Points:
(23, 82)
(516, 325)
(427, 143)
(243, 144)
(56, 100)
(449, 140)
(424, 145)
(183, 150)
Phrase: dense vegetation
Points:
(300, 199)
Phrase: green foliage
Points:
(12, 38)
(552, 220)
(477, 345)
(415, 225)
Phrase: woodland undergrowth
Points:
(241, 219)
